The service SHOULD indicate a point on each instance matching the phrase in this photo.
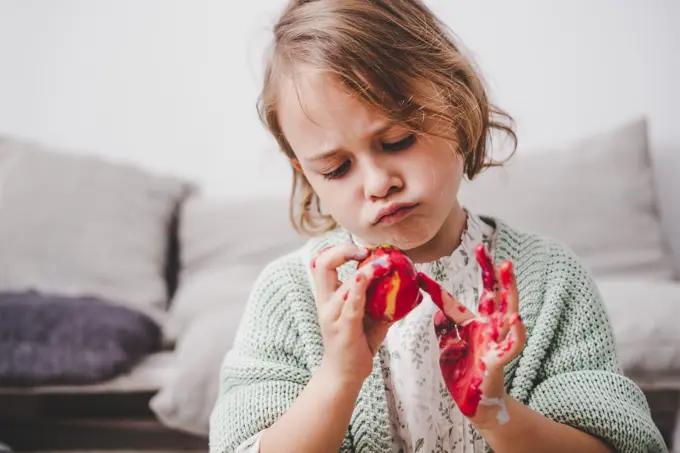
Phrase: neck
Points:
(446, 240)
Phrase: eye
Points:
(338, 172)
(401, 144)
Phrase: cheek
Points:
(336, 198)
(440, 173)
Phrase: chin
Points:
(408, 236)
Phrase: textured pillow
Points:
(56, 340)
(596, 195)
(224, 246)
(79, 225)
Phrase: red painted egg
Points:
(394, 290)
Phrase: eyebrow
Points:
(326, 154)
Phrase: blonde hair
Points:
(393, 55)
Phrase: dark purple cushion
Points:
(56, 340)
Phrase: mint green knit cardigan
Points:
(567, 371)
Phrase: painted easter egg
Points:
(393, 292)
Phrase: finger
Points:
(490, 280)
(347, 291)
(355, 304)
(488, 269)
(509, 294)
(331, 309)
(443, 325)
(445, 301)
(487, 303)
(324, 267)
(509, 348)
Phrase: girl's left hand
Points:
(475, 348)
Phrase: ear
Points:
(296, 165)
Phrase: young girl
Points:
(381, 117)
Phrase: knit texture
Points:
(567, 371)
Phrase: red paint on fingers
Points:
(463, 348)
(488, 271)
(504, 301)
(486, 303)
(505, 272)
(507, 280)
(432, 288)
(313, 263)
(462, 366)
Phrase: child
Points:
(381, 117)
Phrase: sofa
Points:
(178, 264)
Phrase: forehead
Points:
(316, 113)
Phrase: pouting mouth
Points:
(392, 209)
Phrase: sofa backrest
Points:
(598, 196)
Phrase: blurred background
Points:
(172, 85)
(158, 98)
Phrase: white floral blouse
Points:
(423, 416)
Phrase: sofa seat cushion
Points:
(149, 375)
(644, 316)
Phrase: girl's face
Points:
(379, 181)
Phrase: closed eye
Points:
(338, 172)
(401, 144)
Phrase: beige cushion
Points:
(188, 397)
(644, 316)
(596, 195)
(224, 246)
(79, 225)
(152, 373)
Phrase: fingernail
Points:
(359, 255)
(359, 277)
(515, 319)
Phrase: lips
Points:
(392, 210)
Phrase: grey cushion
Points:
(596, 195)
(80, 225)
(56, 340)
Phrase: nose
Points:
(379, 180)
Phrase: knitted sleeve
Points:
(580, 383)
(264, 372)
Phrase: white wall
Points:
(171, 84)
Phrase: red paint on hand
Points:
(487, 340)
(506, 276)
(313, 263)
(461, 351)
(432, 288)
(393, 291)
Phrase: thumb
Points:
(445, 301)
(376, 331)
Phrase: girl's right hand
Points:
(350, 338)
